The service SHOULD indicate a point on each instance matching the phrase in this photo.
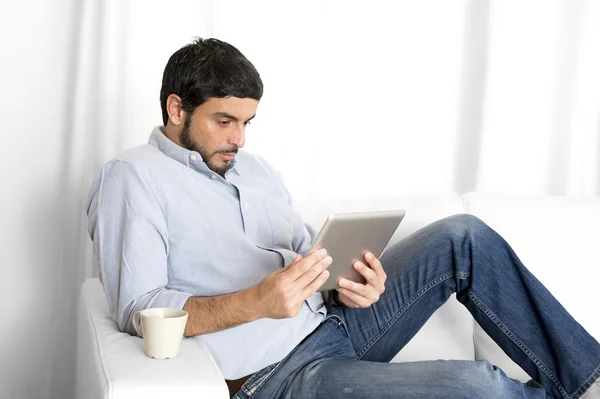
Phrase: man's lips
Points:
(227, 155)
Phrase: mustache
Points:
(228, 150)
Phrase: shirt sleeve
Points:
(131, 246)
(302, 233)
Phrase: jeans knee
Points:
(485, 380)
(465, 225)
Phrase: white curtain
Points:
(361, 99)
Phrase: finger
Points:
(347, 301)
(375, 263)
(299, 268)
(304, 265)
(297, 258)
(377, 267)
(313, 272)
(361, 301)
(314, 286)
(365, 291)
(368, 274)
(313, 251)
(372, 279)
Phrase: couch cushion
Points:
(557, 239)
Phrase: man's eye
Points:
(246, 123)
(223, 123)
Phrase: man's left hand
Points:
(357, 295)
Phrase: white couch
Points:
(558, 239)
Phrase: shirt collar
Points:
(164, 144)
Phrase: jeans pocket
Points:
(257, 379)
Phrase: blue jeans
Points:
(348, 355)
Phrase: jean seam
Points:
(254, 390)
(251, 380)
(520, 344)
(587, 383)
(435, 282)
(268, 376)
(342, 325)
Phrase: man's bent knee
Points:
(464, 224)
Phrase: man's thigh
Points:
(347, 378)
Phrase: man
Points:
(191, 221)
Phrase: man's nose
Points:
(238, 137)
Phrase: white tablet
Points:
(346, 236)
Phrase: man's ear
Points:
(174, 109)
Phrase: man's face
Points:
(216, 130)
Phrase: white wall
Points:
(37, 302)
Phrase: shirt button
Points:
(193, 157)
(213, 177)
(246, 205)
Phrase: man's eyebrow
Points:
(229, 116)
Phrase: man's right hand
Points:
(281, 294)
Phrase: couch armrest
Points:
(112, 364)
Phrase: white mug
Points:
(162, 330)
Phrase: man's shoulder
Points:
(144, 159)
(142, 156)
(138, 164)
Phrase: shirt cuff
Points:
(170, 299)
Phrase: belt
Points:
(236, 385)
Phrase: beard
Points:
(188, 142)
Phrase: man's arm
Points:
(211, 314)
(280, 294)
(128, 227)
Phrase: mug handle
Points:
(137, 325)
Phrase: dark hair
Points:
(208, 68)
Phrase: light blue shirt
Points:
(165, 227)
